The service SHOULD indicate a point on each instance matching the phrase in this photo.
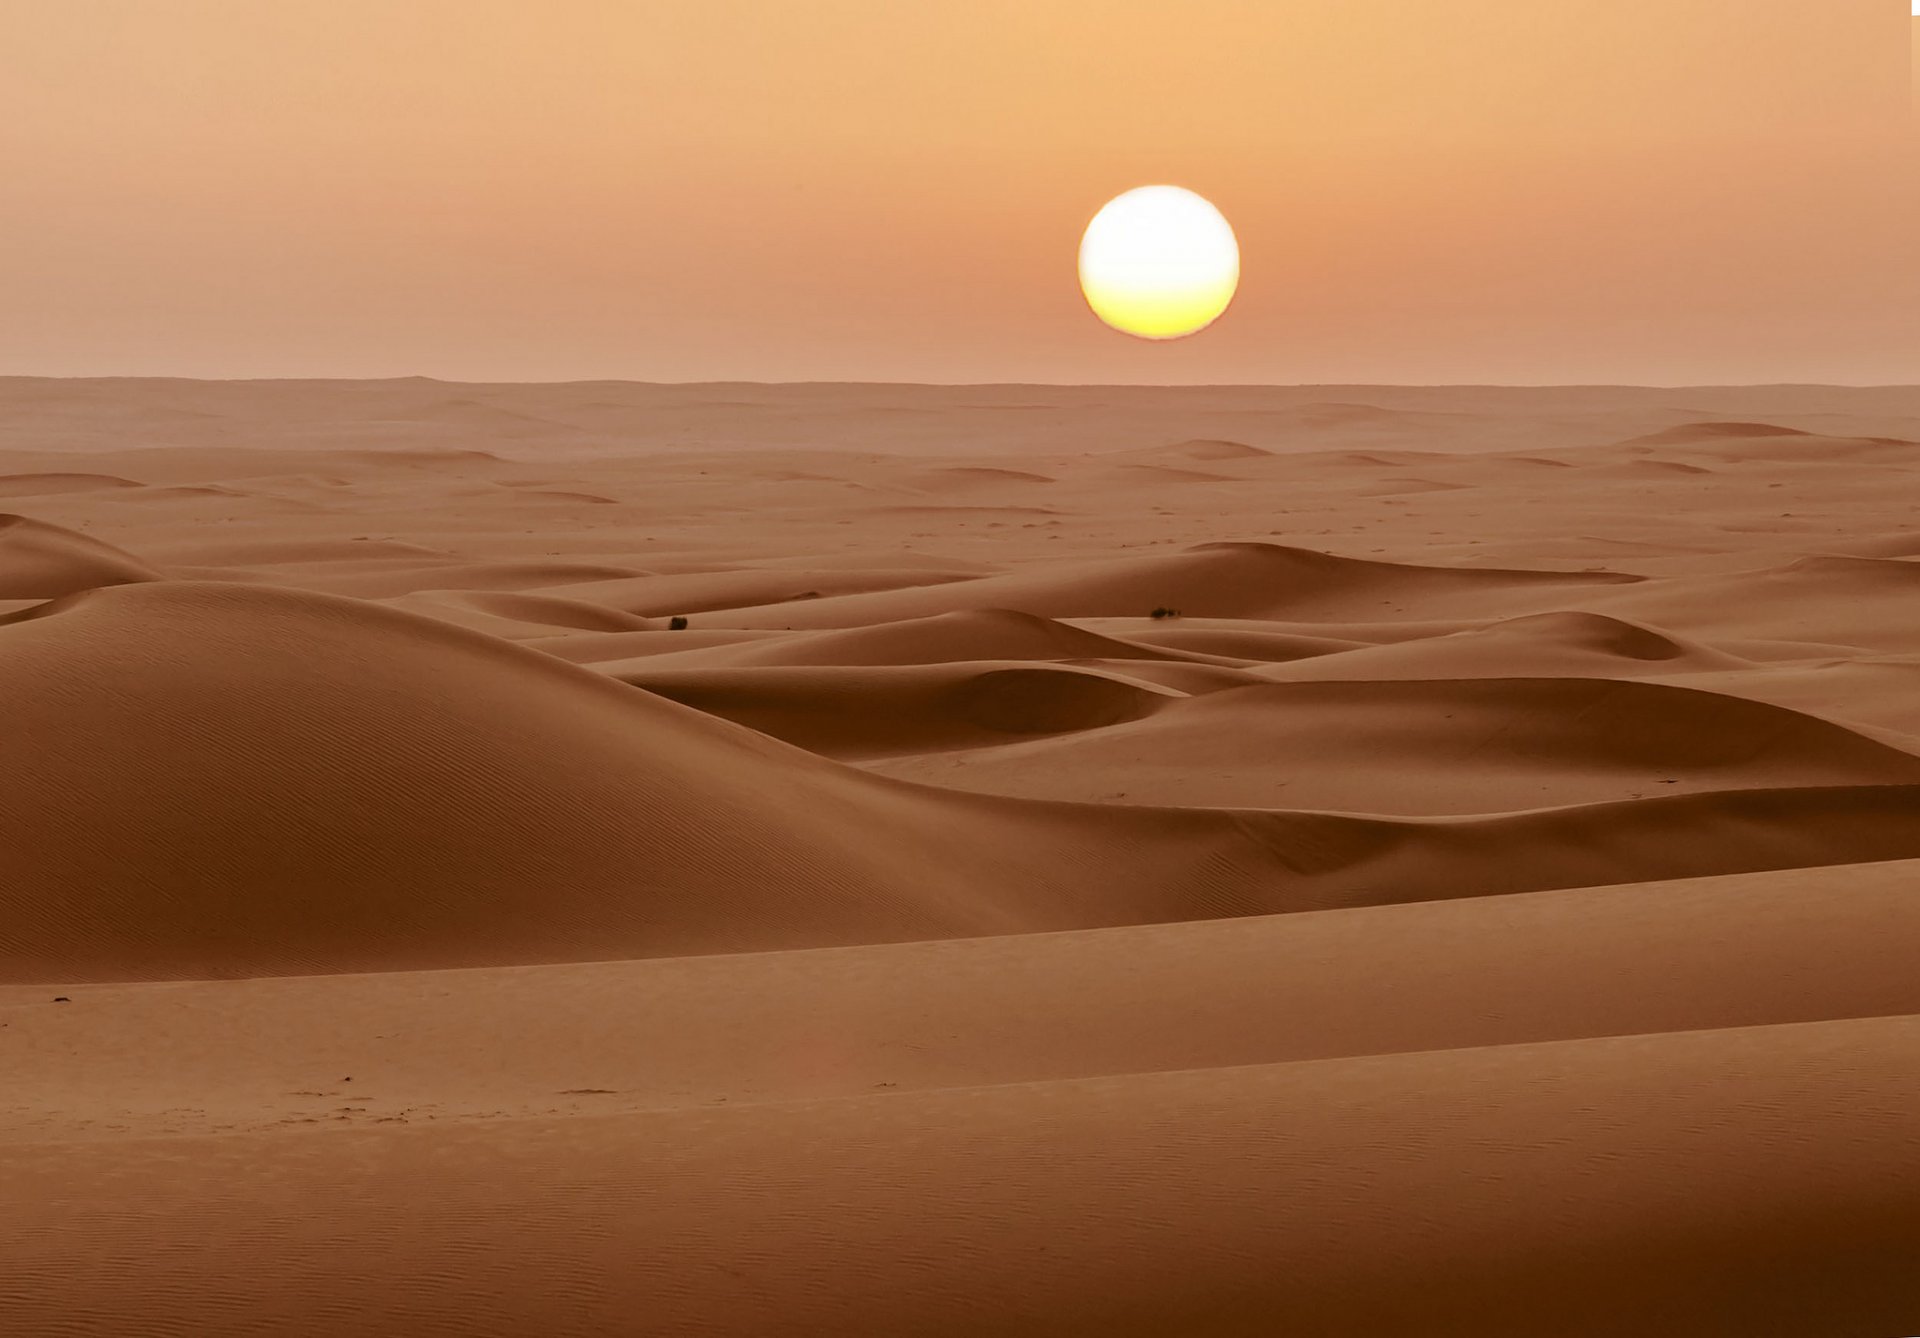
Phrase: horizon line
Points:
(979, 385)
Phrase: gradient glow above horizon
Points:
(1668, 191)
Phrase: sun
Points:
(1159, 262)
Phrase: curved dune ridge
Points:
(976, 476)
(457, 801)
(1568, 644)
(1250, 645)
(1712, 431)
(1381, 747)
(534, 811)
(943, 638)
(1194, 448)
(702, 592)
(864, 711)
(43, 561)
(1213, 580)
(42, 485)
(542, 610)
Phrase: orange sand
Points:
(1488, 908)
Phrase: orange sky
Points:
(1454, 190)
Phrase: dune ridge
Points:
(42, 561)
(655, 837)
(1219, 580)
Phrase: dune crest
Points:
(40, 485)
(1691, 432)
(1221, 579)
(42, 561)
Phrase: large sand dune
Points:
(601, 859)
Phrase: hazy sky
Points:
(1659, 191)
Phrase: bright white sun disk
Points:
(1159, 262)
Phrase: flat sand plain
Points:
(1488, 906)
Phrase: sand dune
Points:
(1815, 599)
(540, 611)
(447, 735)
(1328, 860)
(41, 561)
(1251, 646)
(1874, 693)
(1222, 1201)
(1689, 955)
(944, 638)
(254, 553)
(865, 712)
(613, 647)
(1217, 580)
(1687, 433)
(388, 580)
(973, 476)
(703, 592)
(1537, 645)
(42, 485)
(655, 837)
(1200, 448)
(1381, 747)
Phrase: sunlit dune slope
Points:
(1567, 644)
(1718, 1184)
(1798, 945)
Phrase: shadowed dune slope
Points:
(1424, 747)
(42, 561)
(877, 711)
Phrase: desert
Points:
(606, 857)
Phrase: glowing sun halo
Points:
(1159, 262)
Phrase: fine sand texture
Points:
(603, 859)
